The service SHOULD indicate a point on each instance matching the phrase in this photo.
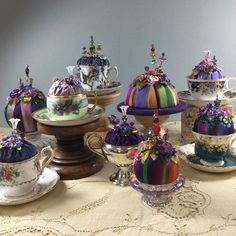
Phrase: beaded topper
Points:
(25, 92)
(156, 145)
(207, 68)
(156, 75)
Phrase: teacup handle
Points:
(93, 93)
(227, 88)
(100, 140)
(231, 144)
(116, 72)
(46, 154)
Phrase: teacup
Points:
(93, 77)
(212, 149)
(61, 108)
(19, 178)
(122, 156)
(209, 89)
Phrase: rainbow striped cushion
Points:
(24, 111)
(152, 96)
(155, 172)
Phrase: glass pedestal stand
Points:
(145, 116)
(157, 195)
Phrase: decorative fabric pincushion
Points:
(93, 57)
(13, 148)
(65, 87)
(152, 89)
(124, 133)
(156, 162)
(214, 120)
(207, 69)
(22, 102)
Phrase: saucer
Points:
(106, 91)
(187, 154)
(186, 96)
(42, 117)
(46, 182)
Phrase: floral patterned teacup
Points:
(61, 108)
(19, 178)
(212, 149)
(209, 89)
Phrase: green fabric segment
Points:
(165, 174)
(161, 91)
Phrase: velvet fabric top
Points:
(123, 134)
(15, 149)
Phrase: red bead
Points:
(156, 129)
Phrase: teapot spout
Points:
(72, 70)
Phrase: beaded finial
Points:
(214, 60)
(153, 54)
(124, 112)
(92, 46)
(156, 127)
(207, 54)
(27, 70)
(217, 101)
(162, 59)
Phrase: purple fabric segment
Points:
(149, 112)
(93, 61)
(65, 87)
(117, 138)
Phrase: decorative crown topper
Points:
(94, 51)
(156, 145)
(207, 65)
(126, 128)
(25, 92)
(156, 74)
(214, 114)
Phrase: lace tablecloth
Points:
(94, 206)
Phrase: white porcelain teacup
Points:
(209, 89)
(62, 108)
(19, 178)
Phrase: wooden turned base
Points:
(72, 159)
(104, 101)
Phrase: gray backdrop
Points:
(48, 35)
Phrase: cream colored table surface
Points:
(94, 206)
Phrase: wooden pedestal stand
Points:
(104, 101)
(72, 159)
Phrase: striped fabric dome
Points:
(153, 90)
(152, 96)
(214, 120)
(155, 171)
(22, 102)
(156, 161)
